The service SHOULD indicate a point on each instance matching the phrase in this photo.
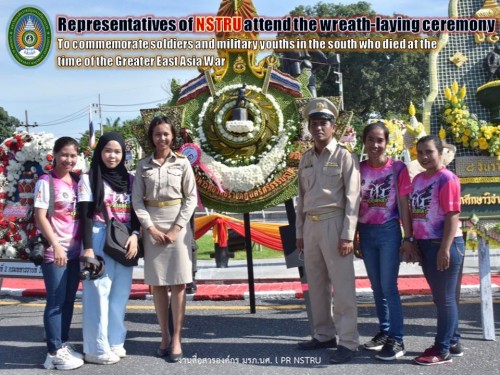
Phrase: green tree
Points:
(114, 125)
(8, 125)
(380, 82)
(175, 88)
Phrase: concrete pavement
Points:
(274, 281)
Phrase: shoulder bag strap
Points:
(396, 184)
(52, 196)
(105, 213)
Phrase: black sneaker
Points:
(391, 350)
(456, 350)
(377, 342)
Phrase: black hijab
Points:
(117, 178)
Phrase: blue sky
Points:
(50, 94)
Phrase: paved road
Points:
(224, 338)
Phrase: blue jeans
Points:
(444, 288)
(380, 245)
(61, 284)
(105, 301)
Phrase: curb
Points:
(263, 291)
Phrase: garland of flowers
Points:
(245, 173)
(248, 177)
(465, 128)
(14, 153)
(17, 150)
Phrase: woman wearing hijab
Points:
(108, 186)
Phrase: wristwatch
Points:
(410, 239)
(136, 232)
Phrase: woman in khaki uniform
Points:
(164, 199)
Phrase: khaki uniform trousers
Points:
(325, 268)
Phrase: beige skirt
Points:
(167, 264)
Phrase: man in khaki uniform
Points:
(327, 212)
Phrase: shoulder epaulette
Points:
(347, 146)
(179, 155)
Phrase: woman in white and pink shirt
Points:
(61, 267)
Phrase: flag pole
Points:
(91, 128)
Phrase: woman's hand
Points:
(412, 252)
(172, 233)
(60, 258)
(443, 259)
(131, 246)
(159, 237)
(90, 254)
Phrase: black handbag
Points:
(117, 235)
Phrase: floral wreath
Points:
(14, 153)
(17, 150)
(240, 173)
(464, 127)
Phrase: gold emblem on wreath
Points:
(239, 65)
(231, 145)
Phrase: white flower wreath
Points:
(35, 148)
(245, 178)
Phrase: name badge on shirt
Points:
(331, 164)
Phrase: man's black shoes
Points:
(342, 355)
(314, 344)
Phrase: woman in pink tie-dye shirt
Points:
(380, 236)
(435, 209)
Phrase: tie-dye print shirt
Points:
(64, 221)
(378, 191)
(432, 198)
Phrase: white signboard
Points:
(19, 269)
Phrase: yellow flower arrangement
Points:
(465, 128)
(414, 130)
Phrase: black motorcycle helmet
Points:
(95, 270)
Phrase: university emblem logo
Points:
(29, 36)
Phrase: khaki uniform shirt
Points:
(174, 179)
(327, 182)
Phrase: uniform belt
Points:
(327, 215)
(172, 202)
